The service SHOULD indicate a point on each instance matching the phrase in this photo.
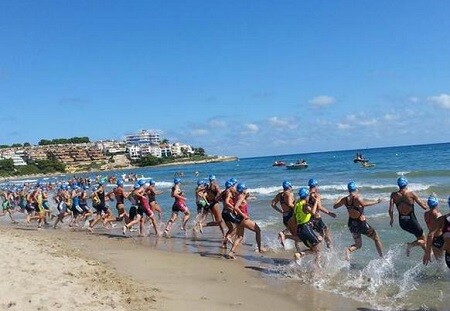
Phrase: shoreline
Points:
(159, 279)
(217, 159)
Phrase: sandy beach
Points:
(63, 270)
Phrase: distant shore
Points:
(215, 159)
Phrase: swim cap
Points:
(432, 201)
(176, 180)
(137, 186)
(313, 183)
(303, 193)
(141, 182)
(402, 182)
(286, 185)
(152, 182)
(119, 182)
(352, 187)
(200, 182)
(240, 187)
(233, 180)
(228, 184)
(212, 177)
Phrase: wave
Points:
(265, 190)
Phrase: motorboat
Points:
(297, 165)
(278, 163)
(359, 158)
(367, 164)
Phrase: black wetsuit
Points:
(356, 225)
(409, 222)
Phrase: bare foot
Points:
(230, 255)
(124, 230)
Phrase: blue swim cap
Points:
(432, 201)
(200, 182)
(402, 182)
(119, 182)
(352, 187)
(286, 185)
(136, 185)
(212, 177)
(240, 187)
(233, 180)
(141, 182)
(303, 193)
(228, 184)
(176, 180)
(313, 183)
(152, 182)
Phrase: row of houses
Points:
(67, 154)
(134, 146)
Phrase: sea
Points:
(394, 282)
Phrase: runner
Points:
(178, 206)
(442, 224)
(404, 200)
(431, 216)
(241, 209)
(357, 223)
(287, 201)
(318, 225)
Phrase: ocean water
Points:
(395, 282)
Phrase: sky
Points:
(243, 78)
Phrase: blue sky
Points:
(245, 78)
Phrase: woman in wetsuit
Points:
(442, 224)
(404, 200)
(357, 223)
(241, 209)
(286, 200)
(178, 206)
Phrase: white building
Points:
(134, 152)
(177, 149)
(143, 138)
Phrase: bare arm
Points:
(391, 210)
(339, 203)
(274, 203)
(419, 201)
(431, 234)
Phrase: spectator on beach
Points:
(357, 223)
(404, 200)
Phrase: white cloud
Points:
(368, 122)
(390, 117)
(322, 101)
(442, 100)
(343, 126)
(217, 123)
(251, 128)
(199, 132)
(280, 122)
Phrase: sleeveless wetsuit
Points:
(288, 214)
(356, 225)
(179, 204)
(227, 214)
(409, 222)
(317, 221)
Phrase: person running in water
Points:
(318, 225)
(287, 201)
(431, 216)
(357, 223)
(442, 225)
(178, 206)
(404, 200)
(241, 209)
(303, 213)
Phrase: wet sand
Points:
(62, 270)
